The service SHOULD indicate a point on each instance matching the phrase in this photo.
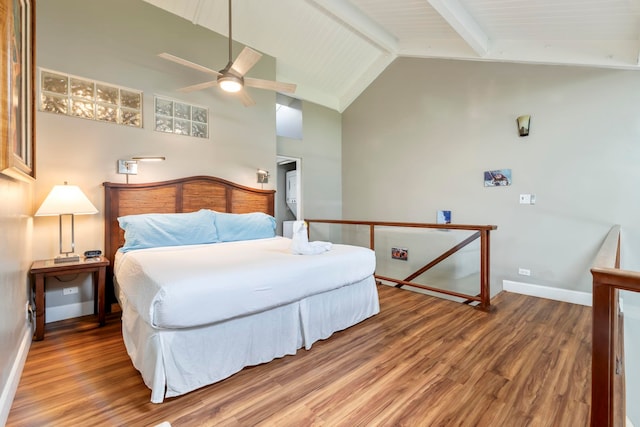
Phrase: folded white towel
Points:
(300, 244)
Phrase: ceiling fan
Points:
(232, 77)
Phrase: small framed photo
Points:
(443, 217)
(400, 253)
(497, 178)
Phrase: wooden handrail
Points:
(609, 253)
(607, 378)
(481, 231)
(406, 224)
(621, 279)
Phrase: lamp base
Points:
(66, 258)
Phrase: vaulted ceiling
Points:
(333, 49)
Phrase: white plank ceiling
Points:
(333, 49)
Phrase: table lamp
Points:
(66, 200)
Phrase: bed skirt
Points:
(176, 361)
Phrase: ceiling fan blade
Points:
(270, 85)
(198, 86)
(186, 63)
(245, 61)
(245, 98)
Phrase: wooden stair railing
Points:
(483, 298)
(607, 357)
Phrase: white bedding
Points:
(176, 361)
(187, 286)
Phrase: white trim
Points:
(68, 311)
(359, 24)
(566, 295)
(463, 23)
(9, 390)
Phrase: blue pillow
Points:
(250, 226)
(153, 230)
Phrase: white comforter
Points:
(186, 286)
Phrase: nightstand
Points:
(48, 268)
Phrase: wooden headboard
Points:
(174, 196)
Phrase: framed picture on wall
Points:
(443, 217)
(17, 71)
(497, 178)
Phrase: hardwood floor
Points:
(422, 361)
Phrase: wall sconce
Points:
(130, 167)
(66, 200)
(523, 125)
(263, 176)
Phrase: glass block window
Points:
(178, 117)
(75, 96)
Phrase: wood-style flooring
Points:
(422, 361)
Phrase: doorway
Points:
(288, 194)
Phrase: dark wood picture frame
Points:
(17, 106)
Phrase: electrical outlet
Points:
(400, 253)
(70, 291)
(524, 272)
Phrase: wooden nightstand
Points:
(47, 268)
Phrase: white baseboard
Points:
(573, 297)
(9, 390)
(68, 311)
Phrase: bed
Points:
(196, 313)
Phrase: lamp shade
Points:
(66, 199)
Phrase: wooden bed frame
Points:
(175, 196)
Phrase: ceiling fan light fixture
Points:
(230, 83)
(231, 77)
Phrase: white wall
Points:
(15, 261)
(419, 138)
